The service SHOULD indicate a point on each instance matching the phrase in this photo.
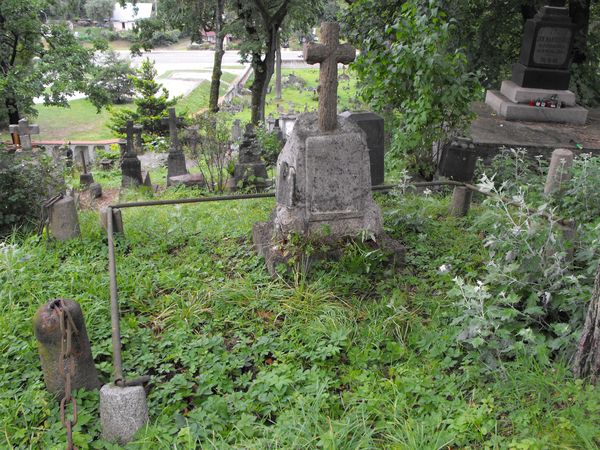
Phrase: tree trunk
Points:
(263, 71)
(278, 69)
(580, 14)
(12, 110)
(587, 358)
(215, 84)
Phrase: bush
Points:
(112, 82)
(24, 184)
(270, 145)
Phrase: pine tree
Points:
(152, 103)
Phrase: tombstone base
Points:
(576, 115)
(251, 174)
(86, 179)
(95, 191)
(278, 253)
(519, 94)
(533, 77)
(64, 222)
(131, 172)
(175, 165)
(123, 411)
(117, 220)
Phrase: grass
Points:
(353, 355)
(82, 122)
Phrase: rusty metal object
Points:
(48, 325)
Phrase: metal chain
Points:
(66, 360)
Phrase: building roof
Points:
(131, 13)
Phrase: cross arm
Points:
(315, 53)
(345, 54)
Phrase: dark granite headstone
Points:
(546, 50)
(458, 160)
(373, 125)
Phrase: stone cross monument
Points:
(24, 130)
(176, 160)
(131, 167)
(329, 55)
(323, 172)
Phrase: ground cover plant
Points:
(350, 355)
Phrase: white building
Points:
(124, 18)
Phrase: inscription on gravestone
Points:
(552, 46)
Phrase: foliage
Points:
(113, 80)
(407, 67)
(24, 184)
(356, 356)
(534, 292)
(270, 146)
(38, 59)
(210, 147)
(152, 103)
(99, 9)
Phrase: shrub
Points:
(24, 184)
(112, 82)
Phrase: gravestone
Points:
(131, 167)
(193, 137)
(323, 172)
(176, 160)
(86, 178)
(538, 90)
(458, 160)
(236, 131)
(278, 132)
(138, 144)
(250, 170)
(373, 125)
(24, 130)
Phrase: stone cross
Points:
(129, 131)
(173, 121)
(328, 55)
(24, 130)
(137, 143)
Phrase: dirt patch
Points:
(109, 197)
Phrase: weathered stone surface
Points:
(46, 324)
(461, 201)
(373, 125)
(95, 190)
(250, 170)
(117, 220)
(175, 165)
(324, 181)
(64, 222)
(188, 180)
(514, 111)
(559, 171)
(86, 179)
(458, 160)
(518, 94)
(131, 171)
(123, 411)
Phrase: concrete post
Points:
(123, 411)
(117, 220)
(47, 328)
(461, 201)
(559, 172)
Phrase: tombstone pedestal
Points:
(131, 171)
(175, 165)
(323, 191)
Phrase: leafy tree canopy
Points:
(38, 59)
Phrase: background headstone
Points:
(373, 125)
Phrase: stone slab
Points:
(518, 94)
(189, 180)
(490, 132)
(64, 222)
(514, 111)
(123, 411)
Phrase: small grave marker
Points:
(176, 160)
(24, 130)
